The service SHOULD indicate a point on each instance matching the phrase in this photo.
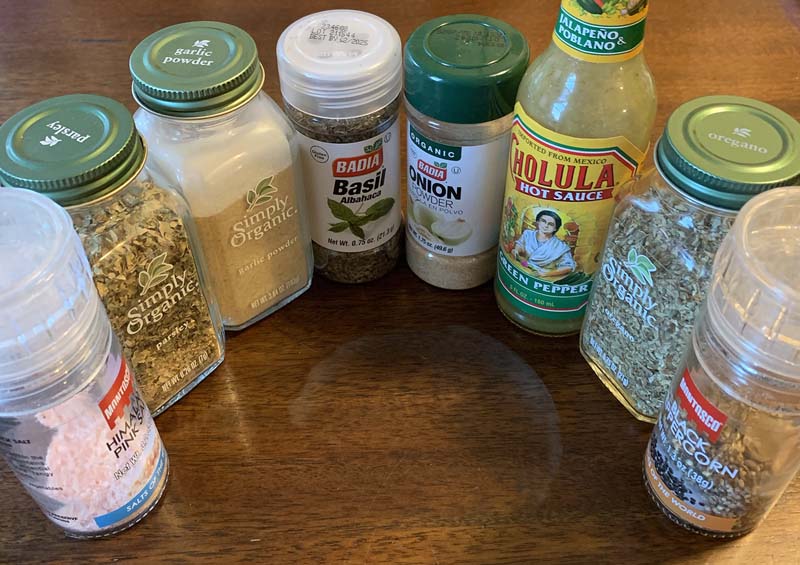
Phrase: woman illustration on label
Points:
(538, 248)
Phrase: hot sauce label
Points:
(601, 31)
(559, 196)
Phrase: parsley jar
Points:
(461, 79)
(232, 153)
(715, 154)
(341, 75)
(84, 152)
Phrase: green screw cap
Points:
(195, 69)
(73, 148)
(723, 150)
(464, 68)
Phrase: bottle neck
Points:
(601, 31)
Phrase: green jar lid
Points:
(464, 69)
(195, 69)
(73, 148)
(723, 150)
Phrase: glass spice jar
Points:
(73, 426)
(340, 74)
(461, 79)
(83, 151)
(716, 153)
(727, 440)
(217, 137)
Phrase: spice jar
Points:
(230, 150)
(73, 426)
(715, 154)
(340, 77)
(461, 79)
(584, 113)
(727, 440)
(83, 151)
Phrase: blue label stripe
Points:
(135, 504)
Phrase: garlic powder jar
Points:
(228, 147)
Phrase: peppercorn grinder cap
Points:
(340, 64)
(465, 68)
(754, 297)
(196, 70)
(48, 300)
(723, 150)
(73, 148)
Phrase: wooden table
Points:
(394, 422)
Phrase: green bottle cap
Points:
(723, 150)
(195, 69)
(73, 148)
(464, 69)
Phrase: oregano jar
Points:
(84, 152)
(715, 154)
(230, 150)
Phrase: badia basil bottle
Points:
(583, 117)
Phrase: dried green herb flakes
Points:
(145, 272)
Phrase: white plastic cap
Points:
(340, 64)
(754, 298)
(47, 298)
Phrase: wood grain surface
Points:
(394, 422)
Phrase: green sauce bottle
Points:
(583, 117)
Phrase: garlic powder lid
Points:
(196, 70)
(340, 64)
(73, 149)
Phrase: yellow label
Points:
(559, 196)
(601, 31)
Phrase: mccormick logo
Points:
(360, 165)
(119, 396)
(699, 410)
(437, 171)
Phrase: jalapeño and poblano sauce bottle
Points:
(583, 117)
